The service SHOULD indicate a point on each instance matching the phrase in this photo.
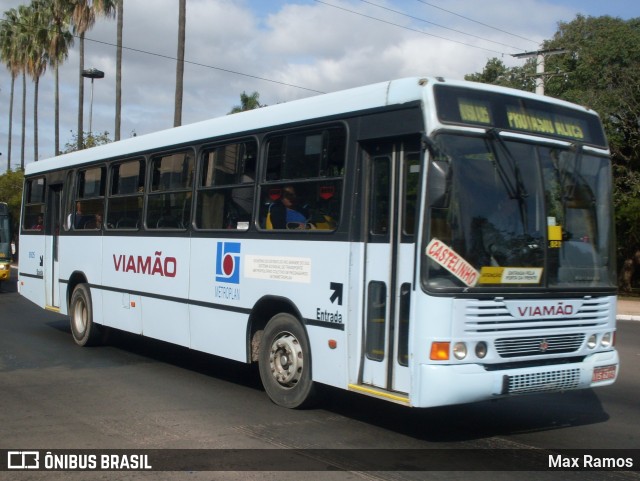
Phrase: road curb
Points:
(627, 317)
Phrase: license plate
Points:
(603, 373)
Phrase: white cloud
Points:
(304, 43)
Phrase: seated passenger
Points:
(285, 213)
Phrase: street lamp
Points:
(92, 73)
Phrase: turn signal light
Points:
(440, 351)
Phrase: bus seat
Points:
(127, 223)
(168, 223)
(268, 224)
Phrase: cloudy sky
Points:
(283, 49)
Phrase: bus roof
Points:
(394, 92)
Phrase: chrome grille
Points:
(543, 381)
(536, 345)
(486, 316)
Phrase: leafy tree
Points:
(601, 71)
(247, 102)
(9, 56)
(11, 193)
(33, 36)
(59, 40)
(497, 73)
(89, 139)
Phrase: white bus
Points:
(423, 241)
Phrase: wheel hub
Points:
(286, 360)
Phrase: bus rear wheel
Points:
(285, 362)
(85, 332)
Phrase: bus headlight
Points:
(460, 350)
(606, 340)
(3, 267)
(592, 342)
(481, 350)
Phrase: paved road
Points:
(142, 394)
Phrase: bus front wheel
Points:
(85, 332)
(285, 362)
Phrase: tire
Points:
(85, 332)
(285, 362)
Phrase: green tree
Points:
(33, 40)
(11, 192)
(9, 56)
(601, 70)
(89, 139)
(247, 102)
(497, 73)
(59, 40)
(21, 59)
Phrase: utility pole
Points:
(540, 54)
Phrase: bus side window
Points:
(225, 195)
(34, 205)
(89, 207)
(169, 202)
(126, 195)
(303, 180)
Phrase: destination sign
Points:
(521, 114)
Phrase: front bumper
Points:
(439, 385)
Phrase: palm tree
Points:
(59, 41)
(182, 15)
(120, 6)
(9, 57)
(83, 18)
(247, 102)
(33, 39)
(21, 59)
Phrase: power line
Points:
(213, 67)
(409, 28)
(478, 22)
(440, 26)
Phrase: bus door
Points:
(52, 232)
(393, 188)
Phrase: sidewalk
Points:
(628, 310)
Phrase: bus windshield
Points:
(518, 214)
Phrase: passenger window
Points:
(307, 155)
(302, 189)
(89, 208)
(226, 186)
(34, 205)
(410, 188)
(126, 195)
(169, 202)
(381, 196)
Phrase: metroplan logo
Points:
(228, 262)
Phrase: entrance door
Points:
(52, 232)
(394, 178)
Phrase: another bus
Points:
(424, 241)
(5, 242)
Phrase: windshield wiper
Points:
(515, 189)
(577, 169)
